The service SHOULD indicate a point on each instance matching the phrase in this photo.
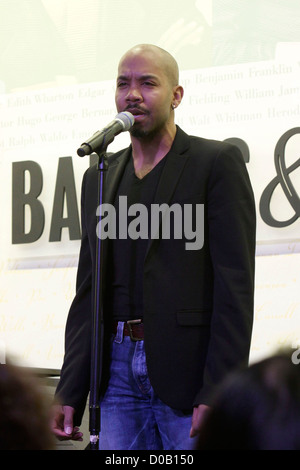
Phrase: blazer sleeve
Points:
(74, 383)
(232, 230)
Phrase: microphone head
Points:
(127, 120)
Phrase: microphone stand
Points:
(97, 324)
(97, 321)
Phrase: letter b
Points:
(20, 199)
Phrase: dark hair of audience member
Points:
(256, 409)
(24, 411)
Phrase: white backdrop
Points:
(240, 68)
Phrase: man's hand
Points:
(199, 415)
(62, 423)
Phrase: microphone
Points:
(100, 140)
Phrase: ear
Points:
(177, 96)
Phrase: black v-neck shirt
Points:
(124, 296)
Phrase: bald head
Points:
(160, 58)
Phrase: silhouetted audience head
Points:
(24, 411)
(256, 409)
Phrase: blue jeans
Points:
(132, 416)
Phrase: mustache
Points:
(136, 108)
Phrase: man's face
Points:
(144, 90)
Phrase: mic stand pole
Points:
(97, 324)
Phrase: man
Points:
(193, 304)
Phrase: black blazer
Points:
(198, 304)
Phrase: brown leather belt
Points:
(132, 328)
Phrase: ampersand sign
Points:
(284, 180)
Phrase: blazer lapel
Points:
(114, 174)
(171, 174)
(173, 168)
(112, 179)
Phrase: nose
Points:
(134, 94)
